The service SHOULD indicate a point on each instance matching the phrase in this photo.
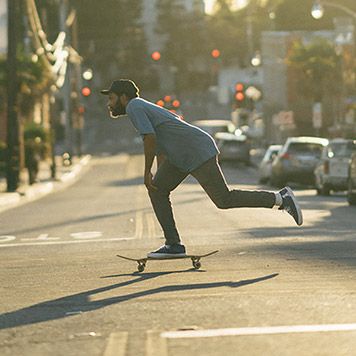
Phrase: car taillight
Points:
(285, 156)
(326, 167)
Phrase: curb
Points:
(39, 190)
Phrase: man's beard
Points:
(117, 111)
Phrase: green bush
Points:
(37, 140)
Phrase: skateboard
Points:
(141, 262)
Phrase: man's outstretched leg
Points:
(211, 178)
(167, 178)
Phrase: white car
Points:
(212, 127)
(265, 167)
(331, 173)
(233, 147)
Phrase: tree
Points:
(227, 32)
(319, 72)
(112, 37)
(33, 80)
(320, 68)
(185, 43)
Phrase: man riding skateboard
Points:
(181, 150)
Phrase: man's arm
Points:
(150, 148)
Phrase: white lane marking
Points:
(155, 344)
(150, 226)
(87, 235)
(139, 225)
(6, 238)
(42, 237)
(117, 344)
(264, 330)
(64, 242)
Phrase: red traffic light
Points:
(86, 91)
(239, 87)
(176, 103)
(156, 56)
(215, 53)
(240, 96)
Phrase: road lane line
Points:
(139, 225)
(264, 330)
(150, 226)
(65, 242)
(155, 344)
(117, 344)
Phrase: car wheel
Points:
(263, 180)
(351, 197)
(325, 190)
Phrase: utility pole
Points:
(66, 90)
(13, 142)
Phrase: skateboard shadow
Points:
(81, 302)
(149, 275)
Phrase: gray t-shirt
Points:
(185, 146)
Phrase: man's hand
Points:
(148, 181)
(149, 144)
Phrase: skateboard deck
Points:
(141, 262)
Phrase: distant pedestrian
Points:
(181, 150)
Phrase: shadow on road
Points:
(81, 303)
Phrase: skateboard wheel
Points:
(196, 265)
(140, 268)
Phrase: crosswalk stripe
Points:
(117, 344)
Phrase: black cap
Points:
(122, 86)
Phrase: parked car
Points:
(212, 127)
(351, 186)
(233, 147)
(331, 172)
(265, 167)
(297, 160)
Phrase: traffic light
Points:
(239, 95)
(156, 56)
(215, 53)
(86, 91)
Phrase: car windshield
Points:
(212, 129)
(341, 149)
(305, 148)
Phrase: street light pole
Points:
(66, 90)
(13, 142)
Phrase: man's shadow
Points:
(80, 303)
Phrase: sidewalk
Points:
(65, 175)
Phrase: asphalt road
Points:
(273, 289)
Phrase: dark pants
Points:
(211, 178)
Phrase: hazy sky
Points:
(210, 3)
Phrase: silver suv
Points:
(331, 171)
(297, 160)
